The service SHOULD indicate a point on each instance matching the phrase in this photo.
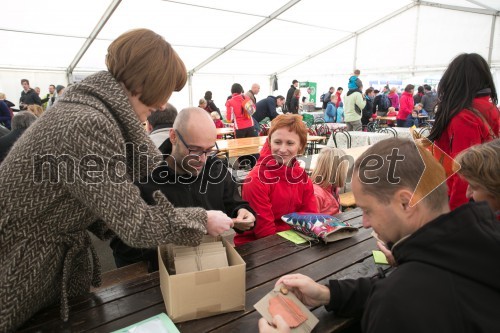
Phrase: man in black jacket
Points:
(447, 274)
(28, 96)
(192, 177)
(289, 94)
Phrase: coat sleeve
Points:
(348, 297)
(360, 102)
(258, 195)
(104, 186)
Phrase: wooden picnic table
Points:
(248, 146)
(225, 132)
(392, 118)
(266, 259)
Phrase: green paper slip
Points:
(292, 236)
(157, 324)
(380, 258)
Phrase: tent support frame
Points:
(97, 29)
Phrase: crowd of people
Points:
(142, 189)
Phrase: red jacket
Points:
(405, 106)
(327, 199)
(234, 107)
(465, 130)
(274, 190)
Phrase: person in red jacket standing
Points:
(405, 107)
(243, 123)
(277, 185)
(466, 113)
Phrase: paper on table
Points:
(262, 307)
(158, 324)
(379, 257)
(292, 236)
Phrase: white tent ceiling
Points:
(225, 41)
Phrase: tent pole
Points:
(102, 22)
(247, 33)
(492, 37)
(345, 39)
(460, 8)
(415, 41)
(190, 88)
(355, 52)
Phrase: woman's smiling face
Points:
(285, 145)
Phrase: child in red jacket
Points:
(328, 178)
(218, 123)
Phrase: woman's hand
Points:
(218, 222)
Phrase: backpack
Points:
(248, 106)
(322, 98)
(385, 102)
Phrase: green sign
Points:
(311, 89)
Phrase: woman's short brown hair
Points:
(480, 164)
(294, 123)
(147, 65)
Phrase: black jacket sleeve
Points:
(232, 198)
(348, 297)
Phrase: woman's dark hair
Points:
(466, 75)
(208, 95)
(409, 88)
(420, 89)
(236, 88)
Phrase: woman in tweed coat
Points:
(46, 208)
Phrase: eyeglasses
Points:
(196, 153)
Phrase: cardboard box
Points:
(203, 294)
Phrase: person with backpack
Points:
(239, 111)
(327, 97)
(381, 104)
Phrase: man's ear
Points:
(403, 197)
(173, 136)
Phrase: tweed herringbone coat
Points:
(44, 216)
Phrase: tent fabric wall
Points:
(310, 40)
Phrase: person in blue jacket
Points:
(331, 110)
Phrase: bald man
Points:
(191, 177)
(252, 92)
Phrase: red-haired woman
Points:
(277, 185)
